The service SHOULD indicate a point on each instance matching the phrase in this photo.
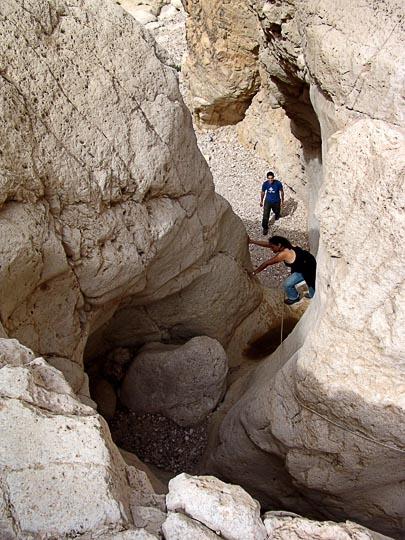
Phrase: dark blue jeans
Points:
(267, 207)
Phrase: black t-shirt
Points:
(305, 264)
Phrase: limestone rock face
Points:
(268, 131)
(182, 383)
(134, 6)
(322, 420)
(55, 451)
(286, 526)
(221, 507)
(203, 508)
(106, 207)
(221, 64)
(107, 204)
(178, 526)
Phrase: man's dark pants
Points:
(267, 207)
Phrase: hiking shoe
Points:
(306, 295)
(288, 301)
(265, 231)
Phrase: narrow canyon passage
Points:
(137, 345)
(237, 171)
(238, 175)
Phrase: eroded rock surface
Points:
(221, 507)
(107, 212)
(203, 508)
(221, 64)
(322, 420)
(184, 383)
(56, 453)
(103, 195)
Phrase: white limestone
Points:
(322, 419)
(55, 455)
(105, 200)
(178, 527)
(98, 241)
(285, 526)
(94, 224)
(221, 507)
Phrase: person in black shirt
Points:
(301, 262)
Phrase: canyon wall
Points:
(221, 63)
(107, 205)
(320, 427)
(111, 234)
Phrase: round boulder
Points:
(184, 383)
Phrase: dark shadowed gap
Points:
(267, 343)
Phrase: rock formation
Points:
(322, 419)
(203, 508)
(56, 457)
(221, 64)
(147, 11)
(184, 383)
(112, 237)
(107, 214)
(100, 209)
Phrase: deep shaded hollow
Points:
(156, 440)
(153, 438)
(159, 441)
(267, 343)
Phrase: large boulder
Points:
(224, 508)
(184, 383)
(55, 454)
(178, 526)
(221, 65)
(203, 507)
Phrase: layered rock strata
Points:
(322, 420)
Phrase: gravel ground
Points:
(159, 441)
(238, 176)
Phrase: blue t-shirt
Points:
(272, 190)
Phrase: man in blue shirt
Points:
(273, 190)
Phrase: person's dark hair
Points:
(277, 240)
(270, 173)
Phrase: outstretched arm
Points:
(276, 259)
(262, 243)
